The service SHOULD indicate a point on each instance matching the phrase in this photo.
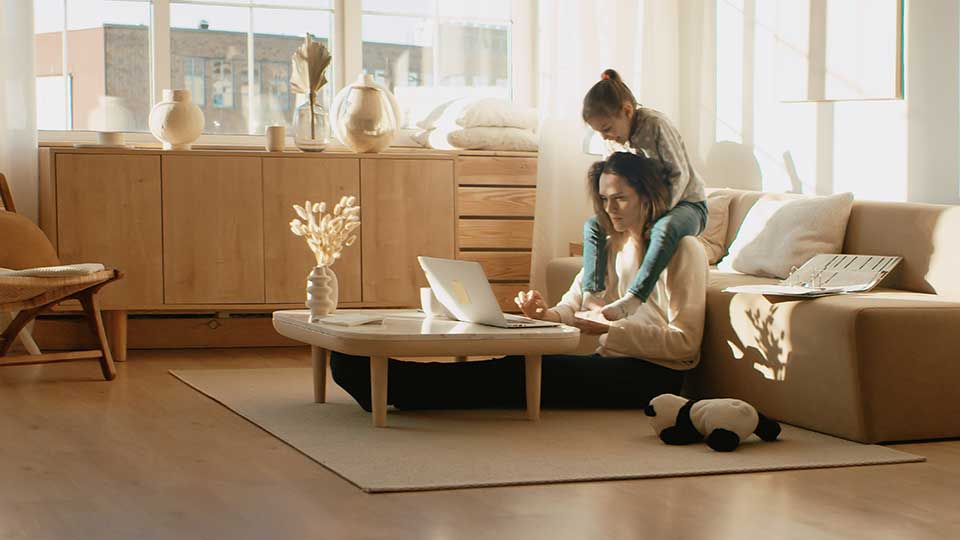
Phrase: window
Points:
(428, 51)
(277, 93)
(118, 55)
(193, 79)
(100, 78)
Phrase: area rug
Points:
(425, 450)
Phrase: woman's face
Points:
(613, 128)
(620, 201)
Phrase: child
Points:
(611, 110)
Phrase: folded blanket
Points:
(65, 270)
(494, 138)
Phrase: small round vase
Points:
(311, 134)
(176, 121)
(322, 292)
(366, 116)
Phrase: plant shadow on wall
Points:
(763, 341)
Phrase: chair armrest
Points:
(560, 274)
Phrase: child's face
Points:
(620, 201)
(613, 128)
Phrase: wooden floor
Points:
(147, 457)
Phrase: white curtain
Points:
(18, 115)
(577, 40)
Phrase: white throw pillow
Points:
(433, 138)
(493, 112)
(444, 115)
(777, 235)
(493, 138)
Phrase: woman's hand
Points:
(532, 304)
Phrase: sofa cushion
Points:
(778, 235)
(869, 367)
(713, 238)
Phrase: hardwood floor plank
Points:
(146, 456)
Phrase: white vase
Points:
(176, 121)
(365, 116)
(322, 292)
(110, 119)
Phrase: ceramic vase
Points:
(176, 121)
(322, 292)
(311, 133)
(110, 119)
(365, 116)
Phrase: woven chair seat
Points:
(28, 291)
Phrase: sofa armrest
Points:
(560, 274)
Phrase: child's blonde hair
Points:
(607, 97)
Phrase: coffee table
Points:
(408, 333)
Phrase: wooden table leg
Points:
(319, 357)
(532, 364)
(378, 389)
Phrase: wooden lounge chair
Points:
(23, 245)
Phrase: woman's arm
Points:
(678, 342)
(571, 302)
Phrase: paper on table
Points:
(827, 274)
(350, 319)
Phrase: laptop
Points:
(462, 287)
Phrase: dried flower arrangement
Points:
(309, 63)
(327, 233)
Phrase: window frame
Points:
(347, 54)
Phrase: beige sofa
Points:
(871, 367)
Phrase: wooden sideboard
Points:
(208, 230)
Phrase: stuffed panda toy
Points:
(723, 422)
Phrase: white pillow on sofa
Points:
(494, 138)
(777, 235)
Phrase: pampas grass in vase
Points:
(327, 234)
(307, 76)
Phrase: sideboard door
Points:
(108, 211)
(293, 180)
(212, 230)
(408, 210)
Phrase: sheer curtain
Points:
(18, 114)
(577, 40)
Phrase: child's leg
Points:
(685, 219)
(594, 256)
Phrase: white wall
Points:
(744, 136)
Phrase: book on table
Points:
(828, 274)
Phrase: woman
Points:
(638, 358)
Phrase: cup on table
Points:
(430, 305)
(275, 138)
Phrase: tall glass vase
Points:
(311, 132)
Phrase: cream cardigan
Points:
(666, 329)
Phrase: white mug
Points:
(430, 305)
(275, 138)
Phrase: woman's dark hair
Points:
(647, 176)
(607, 97)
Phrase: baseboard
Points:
(167, 331)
